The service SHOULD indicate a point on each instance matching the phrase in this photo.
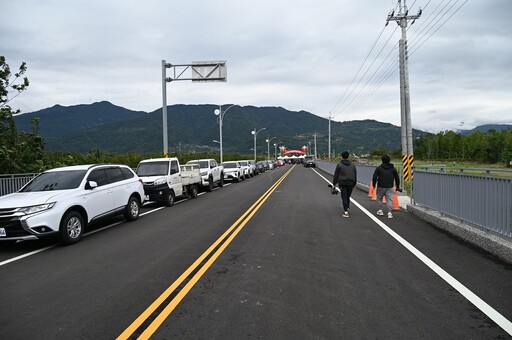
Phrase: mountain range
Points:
(193, 128)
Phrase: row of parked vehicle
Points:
(63, 201)
(240, 170)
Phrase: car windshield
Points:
(55, 180)
(230, 165)
(153, 169)
(202, 164)
(243, 163)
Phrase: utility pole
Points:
(329, 157)
(315, 146)
(405, 105)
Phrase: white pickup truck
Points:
(211, 172)
(165, 179)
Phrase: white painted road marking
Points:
(468, 294)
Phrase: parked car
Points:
(165, 179)
(246, 169)
(252, 165)
(233, 171)
(211, 173)
(63, 201)
(261, 167)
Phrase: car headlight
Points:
(203, 173)
(159, 181)
(36, 208)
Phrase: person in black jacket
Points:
(385, 179)
(346, 175)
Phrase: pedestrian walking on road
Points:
(345, 176)
(385, 179)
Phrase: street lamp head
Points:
(253, 132)
(216, 112)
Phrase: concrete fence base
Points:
(496, 244)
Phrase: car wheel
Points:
(169, 202)
(72, 227)
(132, 209)
(209, 188)
(221, 181)
(192, 191)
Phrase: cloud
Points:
(301, 55)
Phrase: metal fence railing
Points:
(364, 172)
(481, 200)
(14, 182)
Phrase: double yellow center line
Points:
(153, 317)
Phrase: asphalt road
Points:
(267, 258)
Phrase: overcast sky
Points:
(312, 55)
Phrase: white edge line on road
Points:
(468, 294)
(3, 263)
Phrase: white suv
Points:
(65, 200)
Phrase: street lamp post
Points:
(268, 147)
(255, 133)
(220, 113)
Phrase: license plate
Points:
(2, 232)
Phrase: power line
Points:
(421, 34)
(357, 73)
(437, 29)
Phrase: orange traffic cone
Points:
(370, 192)
(396, 205)
(383, 199)
(374, 194)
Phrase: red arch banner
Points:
(293, 152)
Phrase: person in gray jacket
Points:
(385, 179)
(346, 176)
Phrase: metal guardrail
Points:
(505, 173)
(484, 201)
(13, 182)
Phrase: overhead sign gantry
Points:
(201, 71)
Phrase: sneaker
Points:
(345, 214)
(390, 215)
(380, 213)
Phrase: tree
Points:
(17, 153)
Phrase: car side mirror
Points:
(91, 185)
(174, 171)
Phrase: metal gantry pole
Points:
(220, 132)
(205, 71)
(164, 109)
